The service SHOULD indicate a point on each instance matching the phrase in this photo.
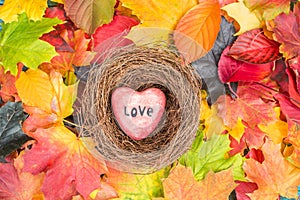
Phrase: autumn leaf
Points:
(46, 98)
(238, 130)
(287, 32)
(8, 91)
(292, 141)
(268, 9)
(135, 186)
(276, 130)
(274, 177)
(163, 15)
(69, 167)
(54, 37)
(119, 24)
(90, 14)
(210, 155)
(249, 106)
(243, 189)
(246, 19)
(12, 8)
(254, 47)
(288, 108)
(180, 184)
(16, 184)
(231, 70)
(19, 43)
(65, 61)
(197, 30)
(11, 135)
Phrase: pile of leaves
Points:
(248, 143)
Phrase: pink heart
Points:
(138, 113)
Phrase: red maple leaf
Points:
(287, 32)
(69, 167)
(18, 185)
(249, 106)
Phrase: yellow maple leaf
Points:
(238, 130)
(157, 14)
(213, 124)
(276, 130)
(34, 9)
(46, 98)
(246, 19)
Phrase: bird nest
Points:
(139, 68)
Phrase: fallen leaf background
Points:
(247, 145)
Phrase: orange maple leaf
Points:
(8, 91)
(18, 185)
(181, 185)
(274, 176)
(69, 167)
(65, 61)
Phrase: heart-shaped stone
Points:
(138, 113)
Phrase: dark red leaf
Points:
(293, 89)
(231, 70)
(243, 189)
(254, 47)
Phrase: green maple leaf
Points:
(212, 155)
(19, 42)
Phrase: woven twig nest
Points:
(140, 68)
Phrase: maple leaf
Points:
(210, 155)
(164, 15)
(65, 61)
(268, 9)
(8, 91)
(180, 184)
(18, 185)
(292, 140)
(69, 167)
(19, 43)
(249, 106)
(11, 135)
(197, 30)
(54, 37)
(134, 186)
(272, 181)
(287, 32)
(243, 188)
(90, 14)
(246, 19)
(276, 130)
(46, 98)
(254, 47)
(231, 70)
(11, 8)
